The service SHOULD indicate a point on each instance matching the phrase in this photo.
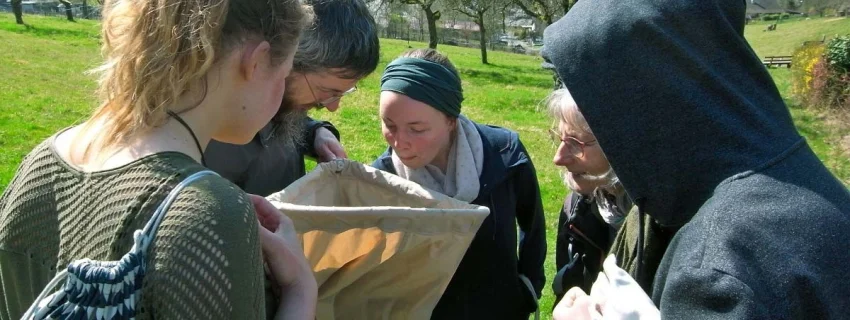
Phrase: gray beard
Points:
(288, 125)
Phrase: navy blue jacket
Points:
(487, 284)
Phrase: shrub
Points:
(821, 75)
(830, 12)
(813, 12)
(802, 69)
(830, 89)
(770, 17)
(838, 54)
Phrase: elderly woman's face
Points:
(417, 132)
(582, 158)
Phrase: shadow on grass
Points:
(510, 76)
(47, 32)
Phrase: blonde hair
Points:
(155, 50)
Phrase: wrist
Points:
(303, 291)
(302, 278)
(298, 301)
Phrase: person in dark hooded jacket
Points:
(736, 218)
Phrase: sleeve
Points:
(563, 260)
(310, 127)
(700, 293)
(205, 262)
(532, 243)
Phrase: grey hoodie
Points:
(702, 141)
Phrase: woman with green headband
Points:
(432, 144)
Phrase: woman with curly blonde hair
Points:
(177, 74)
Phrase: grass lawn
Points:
(44, 89)
(790, 34)
(824, 139)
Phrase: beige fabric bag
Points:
(381, 247)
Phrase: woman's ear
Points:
(451, 122)
(254, 56)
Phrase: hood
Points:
(674, 94)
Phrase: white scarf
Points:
(466, 160)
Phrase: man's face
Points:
(307, 91)
(298, 99)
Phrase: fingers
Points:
(268, 216)
(325, 153)
(338, 150)
(576, 304)
(284, 256)
(271, 242)
(327, 146)
(575, 293)
(286, 229)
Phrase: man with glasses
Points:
(339, 49)
(596, 206)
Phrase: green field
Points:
(43, 88)
(792, 33)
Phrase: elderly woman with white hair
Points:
(596, 207)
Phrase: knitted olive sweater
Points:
(205, 262)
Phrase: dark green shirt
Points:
(205, 262)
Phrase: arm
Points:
(708, 294)
(532, 244)
(289, 268)
(320, 135)
(565, 255)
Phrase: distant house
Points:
(757, 7)
(32, 6)
(844, 10)
(460, 25)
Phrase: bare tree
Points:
(18, 9)
(821, 7)
(545, 10)
(566, 5)
(431, 15)
(68, 12)
(86, 14)
(477, 9)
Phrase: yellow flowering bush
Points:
(802, 70)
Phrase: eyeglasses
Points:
(575, 147)
(332, 99)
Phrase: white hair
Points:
(563, 109)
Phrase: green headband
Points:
(424, 81)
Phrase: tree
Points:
(566, 5)
(477, 9)
(396, 24)
(86, 14)
(540, 9)
(546, 10)
(68, 13)
(431, 16)
(822, 7)
(18, 10)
